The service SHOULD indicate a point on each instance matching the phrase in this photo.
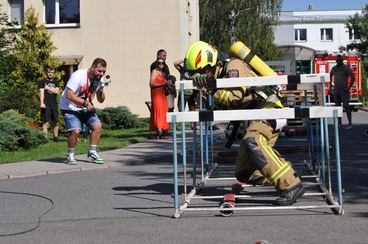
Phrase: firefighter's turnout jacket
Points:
(256, 148)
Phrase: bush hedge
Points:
(16, 134)
(115, 118)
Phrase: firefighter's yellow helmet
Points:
(199, 55)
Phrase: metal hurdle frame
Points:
(204, 116)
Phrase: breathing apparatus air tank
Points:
(268, 93)
(239, 50)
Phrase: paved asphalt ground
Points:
(128, 200)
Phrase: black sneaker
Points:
(349, 127)
(289, 196)
(166, 133)
(56, 139)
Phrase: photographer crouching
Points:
(77, 107)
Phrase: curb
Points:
(4, 176)
(28, 175)
(139, 153)
(82, 166)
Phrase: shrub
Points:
(15, 134)
(119, 118)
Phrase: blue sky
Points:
(292, 5)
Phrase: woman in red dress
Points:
(158, 100)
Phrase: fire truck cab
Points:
(323, 63)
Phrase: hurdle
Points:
(320, 173)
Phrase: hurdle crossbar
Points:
(293, 82)
(254, 114)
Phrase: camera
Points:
(105, 81)
(97, 85)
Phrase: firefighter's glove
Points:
(235, 104)
(199, 80)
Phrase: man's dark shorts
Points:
(49, 114)
(341, 96)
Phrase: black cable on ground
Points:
(39, 218)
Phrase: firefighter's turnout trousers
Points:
(256, 152)
(256, 148)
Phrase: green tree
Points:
(33, 52)
(6, 48)
(359, 23)
(249, 21)
(5, 39)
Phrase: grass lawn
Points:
(110, 139)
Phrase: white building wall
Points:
(127, 34)
(284, 35)
(314, 21)
(340, 37)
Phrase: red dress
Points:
(158, 106)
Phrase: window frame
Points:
(353, 34)
(324, 34)
(57, 17)
(297, 32)
(21, 11)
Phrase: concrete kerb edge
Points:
(65, 170)
(82, 168)
(4, 176)
(28, 175)
(59, 171)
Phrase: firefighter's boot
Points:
(289, 196)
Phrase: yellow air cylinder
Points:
(239, 50)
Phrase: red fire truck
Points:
(323, 63)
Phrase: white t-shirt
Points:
(79, 84)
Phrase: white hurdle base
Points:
(313, 112)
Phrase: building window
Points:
(16, 11)
(353, 34)
(326, 34)
(61, 12)
(300, 34)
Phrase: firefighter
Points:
(256, 150)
